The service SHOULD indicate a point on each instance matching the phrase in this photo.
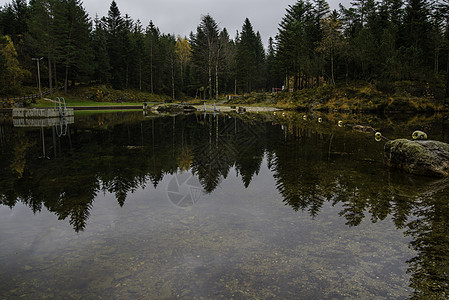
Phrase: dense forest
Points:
(376, 41)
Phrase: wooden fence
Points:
(7, 102)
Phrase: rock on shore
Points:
(421, 157)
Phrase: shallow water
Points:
(127, 206)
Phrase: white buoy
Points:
(419, 135)
(378, 136)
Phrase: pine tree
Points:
(227, 61)
(250, 58)
(42, 33)
(138, 52)
(102, 65)
(116, 33)
(272, 72)
(152, 46)
(260, 63)
(417, 42)
(332, 39)
(167, 49)
(14, 19)
(294, 43)
(363, 37)
(183, 52)
(204, 51)
(443, 7)
(73, 36)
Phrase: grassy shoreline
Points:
(356, 97)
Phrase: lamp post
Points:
(38, 74)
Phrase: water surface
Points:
(256, 206)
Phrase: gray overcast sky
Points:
(181, 16)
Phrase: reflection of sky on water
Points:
(324, 220)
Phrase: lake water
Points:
(254, 206)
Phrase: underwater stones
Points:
(175, 108)
(362, 128)
(421, 157)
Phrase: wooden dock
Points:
(43, 122)
(41, 113)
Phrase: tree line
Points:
(376, 41)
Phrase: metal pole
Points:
(38, 74)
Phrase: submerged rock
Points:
(176, 108)
(421, 157)
(362, 128)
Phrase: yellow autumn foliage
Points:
(12, 73)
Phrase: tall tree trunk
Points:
(437, 54)
(216, 80)
(446, 96)
(66, 80)
(140, 75)
(50, 80)
(173, 77)
(295, 82)
(332, 68)
(127, 76)
(182, 76)
(210, 73)
(56, 74)
(151, 65)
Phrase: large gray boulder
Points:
(422, 157)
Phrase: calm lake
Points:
(256, 206)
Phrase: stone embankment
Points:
(210, 108)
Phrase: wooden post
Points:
(38, 74)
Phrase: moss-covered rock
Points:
(429, 158)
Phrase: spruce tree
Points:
(274, 74)
(295, 44)
(417, 42)
(116, 47)
(250, 58)
(14, 19)
(332, 40)
(138, 53)
(227, 61)
(102, 65)
(152, 46)
(204, 52)
(42, 34)
(74, 50)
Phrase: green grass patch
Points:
(91, 112)
(101, 95)
(75, 103)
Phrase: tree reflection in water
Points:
(312, 164)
